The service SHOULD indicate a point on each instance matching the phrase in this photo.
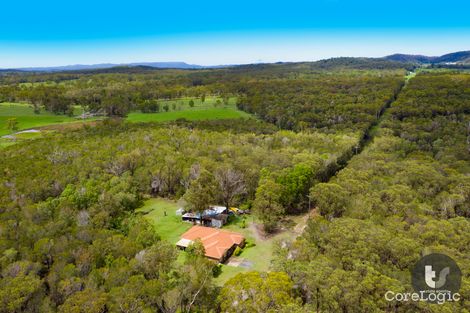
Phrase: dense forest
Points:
(384, 164)
(328, 102)
(406, 195)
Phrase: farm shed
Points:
(215, 216)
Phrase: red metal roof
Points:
(216, 241)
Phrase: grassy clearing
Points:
(211, 109)
(192, 115)
(260, 255)
(169, 227)
(27, 119)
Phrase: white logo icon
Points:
(430, 275)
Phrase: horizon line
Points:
(142, 63)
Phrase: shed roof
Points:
(184, 242)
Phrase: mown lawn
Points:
(169, 226)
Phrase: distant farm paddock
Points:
(212, 108)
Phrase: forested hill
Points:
(388, 62)
(462, 57)
(327, 64)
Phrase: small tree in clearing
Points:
(12, 124)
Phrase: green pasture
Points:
(212, 108)
(191, 115)
(27, 119)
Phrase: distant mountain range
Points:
(461, 57)
(80, 67)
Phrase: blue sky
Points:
(47, 33)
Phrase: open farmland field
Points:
(26, 118)
(211, 109)
(191, 115)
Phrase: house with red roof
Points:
(218, 244)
